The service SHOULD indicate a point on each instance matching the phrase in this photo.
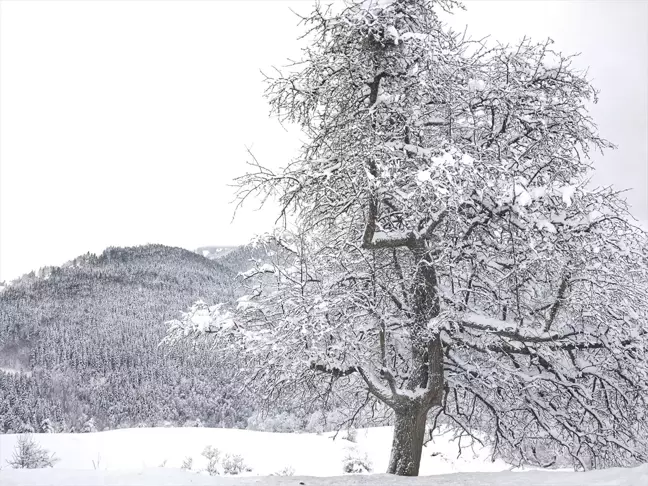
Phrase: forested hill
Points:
(79, 344)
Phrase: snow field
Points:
(134, 457)
(176, 477)
(265, 452)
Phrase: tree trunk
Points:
(407, 445)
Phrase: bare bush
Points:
(286, 471)
(187, 464)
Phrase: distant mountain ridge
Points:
(215, 252)
(238, 259)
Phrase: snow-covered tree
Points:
(28, 454)
(449, 257)
(46, 426)
(89, 426)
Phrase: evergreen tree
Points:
(29, 455)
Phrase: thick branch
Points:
(335, 372)
(376, 389)
(368, 241)
(559, 300)
(492, 329)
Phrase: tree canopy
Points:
(449, 257)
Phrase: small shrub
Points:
(187, 464)
(352, 435)
(212, 455)
(231, 464)
(234, 464)
(28, 454)
(354, 463)
(286, 471)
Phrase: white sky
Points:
(122, 122)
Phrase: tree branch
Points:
(335, 372)
(559, 300)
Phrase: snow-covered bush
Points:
(28, 454)
(356, 463)
(213, 456)
(231, 464)
(234, 464)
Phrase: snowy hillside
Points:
(154, 457)
(85, 341)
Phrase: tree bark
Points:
(407, 445)
(427, 373)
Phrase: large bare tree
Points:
(447, 255)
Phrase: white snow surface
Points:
(134, 456)
(177, 477)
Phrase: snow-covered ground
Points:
(154, 456)
(178, 477)
(265, 452)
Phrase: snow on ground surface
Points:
(265, 452)
(177, 477)
(134, 456)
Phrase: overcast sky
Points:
(122, 123)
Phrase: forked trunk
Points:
(407, 445)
